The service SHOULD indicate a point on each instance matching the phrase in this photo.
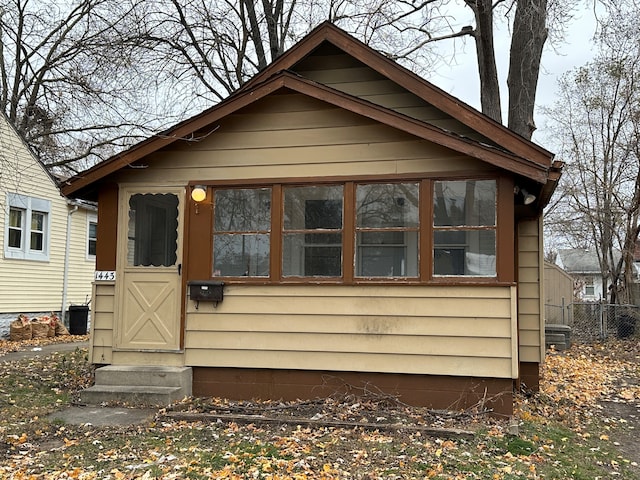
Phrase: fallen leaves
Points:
(565, 432)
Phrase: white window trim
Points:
(28, 205)
(91, 218)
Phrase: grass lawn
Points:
(580, 426)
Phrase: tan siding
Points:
(363, 82)
(102, 322)
(529, 292)
(36, 286)
(356, 328)
(255, 144)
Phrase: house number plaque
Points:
(105, 276)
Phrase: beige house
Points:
(337, 221)
(48, 242)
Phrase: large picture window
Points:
(415, 231)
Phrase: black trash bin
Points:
(78, 316)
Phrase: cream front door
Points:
(149, 269)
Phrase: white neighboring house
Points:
(584, 267)
(48, 242)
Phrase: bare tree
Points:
(67, 78)
(598, 118)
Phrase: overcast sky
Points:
(461, 79)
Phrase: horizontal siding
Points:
(102, 323)
(268, 140)
(529, 293)
(428, 330)
(363, 82)
(36, 286)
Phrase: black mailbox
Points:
(206, 291)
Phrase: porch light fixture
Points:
(527, 198)
(198, 193)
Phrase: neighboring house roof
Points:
(510, 152)
(581, 261)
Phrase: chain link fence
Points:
(598, 321)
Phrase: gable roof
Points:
(327, 32)
(519, 155)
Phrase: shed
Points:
(337, 221)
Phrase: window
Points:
(464, 228)
(387, 228)
(312, 236)
(589, 288)
(27, 228)
(153, 230)
(417, 231)
(241, 232)
(92, 236)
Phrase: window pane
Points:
(387, 205)
(153, 230)
(37, 242)
(15, 228)
(242, 210)
(246, 214)
(464, 203)
(15, 218)
(37, 221)
(387, 254)
(312, 255)
(315, 250)
(307, 208)
(465, 252)
(93, 234)
(37, 231)
(241, 255)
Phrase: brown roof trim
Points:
(321, 92)
(412, 82)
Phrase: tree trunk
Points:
(485, 52)
(527, 41)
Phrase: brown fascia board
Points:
(414, 83)
(487, 153)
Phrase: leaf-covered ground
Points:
(580, 426)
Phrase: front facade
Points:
(361, 225)
(48, 243)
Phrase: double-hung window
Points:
(92, 237)
(27, 228)
(417, 231)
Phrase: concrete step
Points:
(130, 394)
(139, 384)
(152, 375)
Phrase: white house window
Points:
(27, 229)
(589, 288)
(92, 236)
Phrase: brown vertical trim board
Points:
(529, 378)
(107, 230)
